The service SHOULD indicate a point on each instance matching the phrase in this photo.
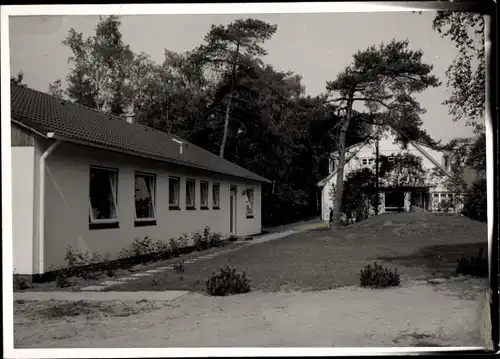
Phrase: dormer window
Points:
(367, 161)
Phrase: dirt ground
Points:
(416, 314)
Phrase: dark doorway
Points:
(394, 201)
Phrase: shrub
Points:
(214, 240)
(476, 266)
(183, 240)
(199, 241)
(179, 267)
(141, 247)
(76, 258)
(475, 201)
(21, 283)
(227, 281)
(161, 247)
(62, 279)
(174, 246)
(377, 276)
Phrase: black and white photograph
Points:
(247, 180)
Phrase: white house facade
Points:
(427, 196)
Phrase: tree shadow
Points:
(438, 258)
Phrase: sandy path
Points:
(415, 314)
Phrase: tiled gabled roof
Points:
(43, 112)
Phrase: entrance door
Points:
(232, 210)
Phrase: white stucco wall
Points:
(23, 166)
(67, 204)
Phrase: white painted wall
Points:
(66, 215)
(23, 167)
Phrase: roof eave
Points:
(132, 153)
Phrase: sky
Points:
(315, 46)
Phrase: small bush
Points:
(377, 276)
(141, 247)
(179, 267)
(21, 283)
(476, 266)
(62, 279)
(183, 240)
(199, 241)
(174, 247)
(227, 281)
(214, 240)
(161, 247)
(77, 261)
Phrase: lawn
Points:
(418, 244)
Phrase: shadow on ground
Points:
(440, 258)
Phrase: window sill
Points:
(104, 225)
(174, 208)
(147, 223)
(250, 216)
(216, 208)
(191, 208)
(204, 208)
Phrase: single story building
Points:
(93, 181)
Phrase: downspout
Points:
(41, 206)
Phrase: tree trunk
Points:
(339, 186)
(228, 107)
(226, 125)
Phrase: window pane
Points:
(215, 195)
(190, 193)
(144, 196)
(101, 193)
(249, 202)
(173, 197)
(204, 194)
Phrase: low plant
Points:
(21, 283)
(476, 266)
(179, 267)
(199, 241)
(377, 276)
(62, 280)
(214, 240)
(183, 240)
(141, 247)
(226, 282)
(161, 246)
(174, 246)
(78, 260)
